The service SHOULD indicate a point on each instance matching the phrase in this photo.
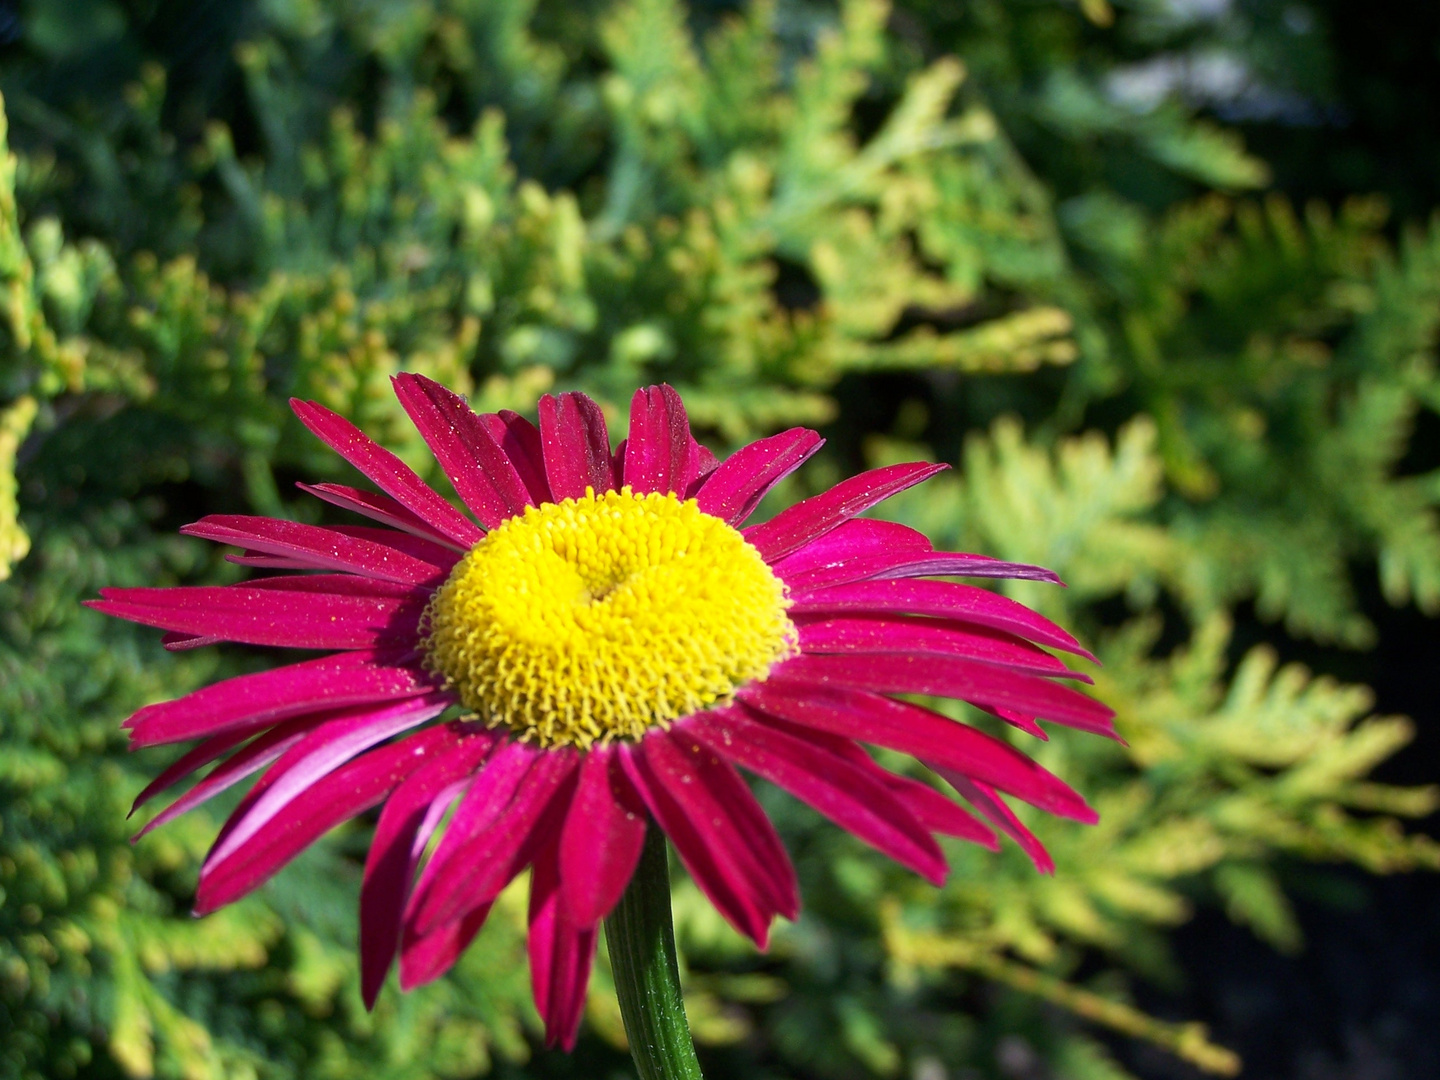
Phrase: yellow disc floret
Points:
(600, 617)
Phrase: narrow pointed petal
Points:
(735, 488)
(946, 599)
(259, 616)
(390, 865)
(945, 676)
(479, 869)
(576, 445)
(937, 813)
(212, 748)
(334, 798)
(704, 462)
(804, 522)
(864, 548)
(357, 580)
(617, 464)
(713, 871)
(324, 749)
(520, 439)
(601, 841)
(318, 548)
(561, 954)
(992, 806)
(247, 760)
(339, 585)
(894, 565)
(377, 507)
(884, 634)
(484, 801)
(850, 797)
(956, 564)
(705, 779)
(1022, 721)
(919, 732)
(388, 472)
(417, 547)
(481, 473)
(657, 452)
(425, 957)
(832, 559)
(175, 642)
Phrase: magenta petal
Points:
(860, 542)
(377, 507)
(919, 732)
(932, 809)
(561, 953)
(476, 870)
(703, 462)
(657, 452)
(601, 840)
(793, 528)
(422, 548)
(835, 787)
(725, 815)
(946, 599)
(202, 755)
(896, 673)
(181, 642)
(484, 801)
(938, 813)
(883, 634)
(335, 797)
(390, 865)
(863, 548)
(359, 582)
(950, 564)
(249, 759)
(984, 799)
(249, 701)
(1023, 721)
(731, 794)
(479, 470)
(339, 585)
(520, 439)
(576, 444)
(259, 616)
(324, 549)
(323, 750)
(738, 484)
(727, 887)
(388, 472)
(617, 463)
(425, 957)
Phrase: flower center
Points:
(598, 618)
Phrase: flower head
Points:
(611, 644)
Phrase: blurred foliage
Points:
(971, 232)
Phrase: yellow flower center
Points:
(598, 618)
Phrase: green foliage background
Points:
(936, 231)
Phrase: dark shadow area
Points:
(1361, 1001)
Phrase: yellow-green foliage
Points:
(789, 216)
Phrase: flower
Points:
(615, 645)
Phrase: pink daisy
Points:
(613, 645)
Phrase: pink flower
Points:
(615, 645)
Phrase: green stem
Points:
(641, 938)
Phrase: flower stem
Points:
(641, 938)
